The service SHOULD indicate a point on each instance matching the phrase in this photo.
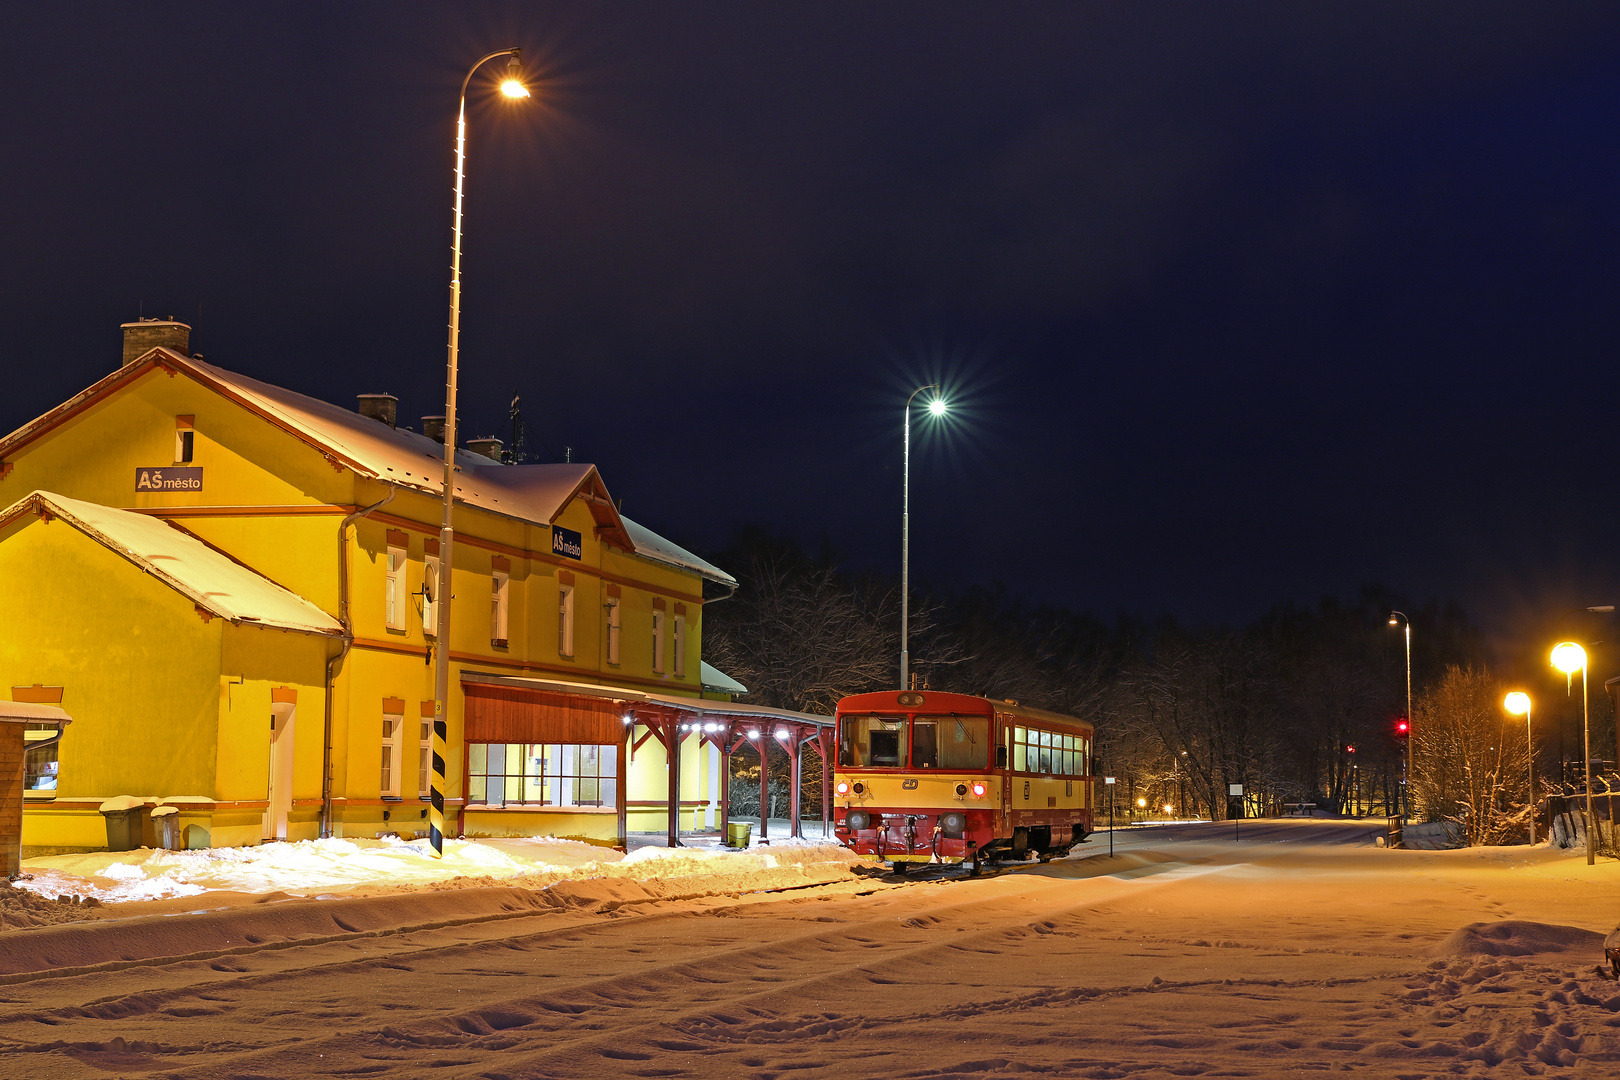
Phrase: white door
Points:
(278, 796)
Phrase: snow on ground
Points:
(331, 866)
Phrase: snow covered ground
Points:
(346, 866)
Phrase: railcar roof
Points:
(944, 699)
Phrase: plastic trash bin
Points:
(738, 833)
(167, 820)
(124, 826)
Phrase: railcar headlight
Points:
(961, 790)
(858, 820)
(978, 791)
(860, 788)
(843, 787)
(953, 824)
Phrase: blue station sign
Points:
(168, 478)
(564, 542)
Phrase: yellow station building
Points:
(230, 587)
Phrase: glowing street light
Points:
(1518, 703)
(1569, 657)
(1396, 618)
(512, 87)
(936, 407)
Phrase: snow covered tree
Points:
(1468, 766)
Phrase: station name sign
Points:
(564, 542)
(168, 478)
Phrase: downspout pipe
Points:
(343, 650)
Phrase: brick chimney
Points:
(489, 446)
(433, 428)
(146, 334)
(380, 407)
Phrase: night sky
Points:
(1235, 303)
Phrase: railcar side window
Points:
(872, 741)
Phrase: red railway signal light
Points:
(1403, 727)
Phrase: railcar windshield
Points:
(950, 742)
(872, 741)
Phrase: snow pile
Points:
(311, 867)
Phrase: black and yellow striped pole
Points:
(513, 89)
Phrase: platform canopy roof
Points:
(717, 681)
(537, 494)
(212, 581)
(729, 709)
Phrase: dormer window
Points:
(184, 439)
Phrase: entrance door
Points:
(278, 796)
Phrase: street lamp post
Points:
(1411, 732)
(1518, 703)
(1568, 656)
(512, 87)
(937, 408)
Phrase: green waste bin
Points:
(125, 827)
(738, 833)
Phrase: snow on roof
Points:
(718, 681)
(29, 712)
(209, 579)
(652, 546)
(533, 493)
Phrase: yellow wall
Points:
(249, 463)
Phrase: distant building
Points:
(172, 573)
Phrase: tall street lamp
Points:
(1569, 657)
(1518, 703)
(936, 407)
(513, 89)
(1406, 766)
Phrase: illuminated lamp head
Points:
(1568, 657)
(512, 82)
(937, 407)
(1517, 703)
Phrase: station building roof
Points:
(212, 581)
(534, 493)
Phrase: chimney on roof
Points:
(489, 446)
(380, 407)
(144, 335)
(433, 428)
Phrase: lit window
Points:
(565, 620)
(658, 641)
(542, 774)
(424, 759)
(500, 586)
(391, 726)
(40, 765)
(430, 591)
(394, 591)
(613, 631)
(680, 646)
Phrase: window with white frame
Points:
(430, 594)
(658, 641)
(500, 586)
(424, 758)
(394, 589)
(565, 620)
(613, 627)
(542, 774)
(392, 727)
(40, 765)
(680, 646)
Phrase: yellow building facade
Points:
(577, 630)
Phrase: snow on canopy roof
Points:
(207, 578)
(533, 493)
(718, 681)
(29, 712)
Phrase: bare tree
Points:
(1467, 767)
